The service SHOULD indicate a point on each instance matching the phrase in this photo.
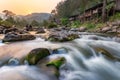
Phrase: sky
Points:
(23, 7)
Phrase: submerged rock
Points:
(11, 37)
(36, 55)
(13, 62)
(59, 51)
(107, 54)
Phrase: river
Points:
(83, 62)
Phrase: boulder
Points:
(40, 30)
(56, 62)
(11, 37)
(1, 29)
(62, 36)
(13, 62)
(105, 29)
(82, 29)
(12, 29)
(36, 55)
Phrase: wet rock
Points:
(11, 37)
(40, 30)
(59, 51)
(56, 62)
(13, 62)
(1, 29)
(62, 36)
(106, 53)
(74, 29)
(36, 55)
(13, 29)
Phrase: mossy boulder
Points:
(36, 55)
(57, 62)
(12, 37)
(62, 37)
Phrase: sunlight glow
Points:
(28, 6)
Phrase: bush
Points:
(64, 21)
(90, 25)
(75, 24)
(115, 17)
(6, 23)
(52, 25)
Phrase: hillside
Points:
(39, 17)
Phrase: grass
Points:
(115, 17)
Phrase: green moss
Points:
(56, 63)
(37, 54)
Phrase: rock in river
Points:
(11, 37)
(36, 55)
(62, 36)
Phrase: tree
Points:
(68, 8)
(104, 15)
(8, 14)
(34, 23)
(11, 20)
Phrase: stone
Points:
(106, 53)
(36, 55)
(60, 51)
(12, 29)
(12, 37)
(82, 29)
(13, 62)
(105, 29)
(56, 62)
(115, 27)
(62, 36)
(40, 30)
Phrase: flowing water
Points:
(83, 62)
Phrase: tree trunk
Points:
(104, 15)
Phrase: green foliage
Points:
(6, 23)
(68, 8)
(115, 17)
(75, 24)
(0, 19)
(34, 23)
(10, 20)
(45, 23)
(90, 25)
(108, 7)
(64, 21)
(52, 25)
